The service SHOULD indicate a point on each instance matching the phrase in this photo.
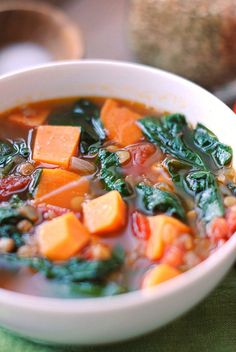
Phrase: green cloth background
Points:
(209, 327)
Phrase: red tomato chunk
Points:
(173, 256)
(12, 184)
(141, 152)
(140, 226)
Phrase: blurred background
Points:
(194, 38)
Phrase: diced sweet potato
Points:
(105, 214)
(60, 188)
(159, 274)
(62, 237)
(29, 120)
(56, 144)
(120, 123)
(164, 230)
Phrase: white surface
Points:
(21, 55)
(101, 320)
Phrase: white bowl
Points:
(104, 320)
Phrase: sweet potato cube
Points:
(56, 144)
(120, 123)
(35, 119)
(164, 230)
(62, 237)
(159, 274)
(60, 188)
(105, 214)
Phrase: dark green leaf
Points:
(174, 123)
(232, 187)
(8, 155)
(6, 149)
(207, 142)
(10, 231)
(109, 174)
(9, 214)
(15, 201)
(9, 218)
(167, 134)
(177, 170)
(75, 270)
(34, 183)
(201, 185)
(96, 290)
(155, 200)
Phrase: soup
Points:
(105, 196)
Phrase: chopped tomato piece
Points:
(96, 251)
(51, 211)
(218, 229)
(140, 226)
(231, 219)
(12, 184)
(174, 256)
(141, 152)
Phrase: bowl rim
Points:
(134, 298)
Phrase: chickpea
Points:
(6, 245)
(25, 169)
(24, 226)
(26, 251)
(123, 156)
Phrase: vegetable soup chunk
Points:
(56, 144)
(102, 196)
(61, 188)
(63, 237)
(119, 122)
(29, 118)
(105, 214)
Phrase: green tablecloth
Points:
(209, 327)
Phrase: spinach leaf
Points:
(6, 150)
(75, 270)
(10, 215)
(174, 123)
(232, 187)
(189, 171)
(8, 155)
(110, 176)
(96, 290)
(10, 231)
(86, 115)
(206, 141)
(167, 134)
(201, 185)
(34, 183)
(155, 200)
(177, 170)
